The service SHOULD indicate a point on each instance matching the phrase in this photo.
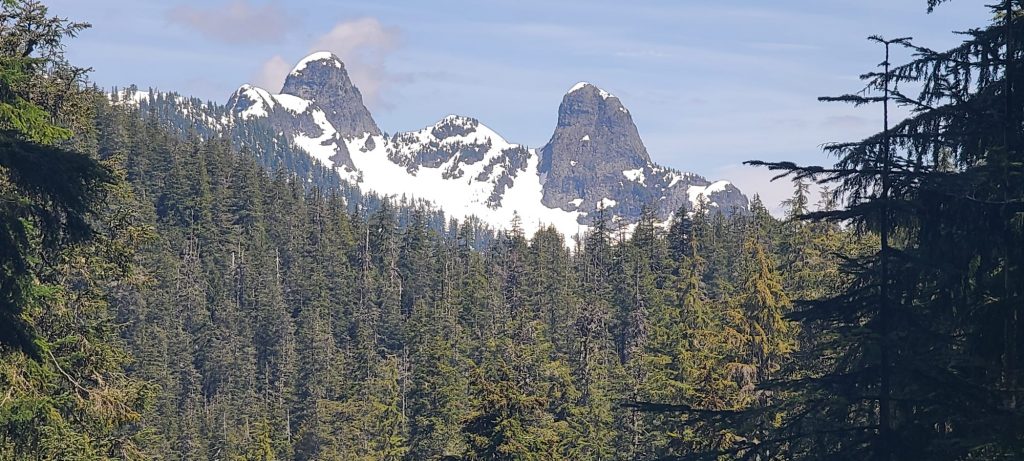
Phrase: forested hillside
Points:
(167, 294)
(277, 322)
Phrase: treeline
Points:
(277, 325)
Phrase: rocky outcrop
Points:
(596, 159)
(322, 78)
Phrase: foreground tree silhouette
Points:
(67, 236)
(47, 190)
(918, 357)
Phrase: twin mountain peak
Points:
(594, 160)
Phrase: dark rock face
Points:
(251, 103)
(595, 141)
(442, 145)
(595, 159)
(317, 91)
(454, 126)
(514, 161)
(322, 78)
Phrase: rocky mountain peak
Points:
(320, 58)
(321, 77)
(249, 101)
(454, 125)
(588, 91)
(594, 159)
(594, 142)
(595, 132)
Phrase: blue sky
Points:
(709, 83)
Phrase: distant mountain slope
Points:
(595, 158)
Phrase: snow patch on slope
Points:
(472, 193)
(262, 102)
(130, 95)
(319, 148)
(581, 85)
(636, 175)
(292, 103)
(696, 192)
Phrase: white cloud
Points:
(363, 44)
(272, 72)
(235, 22)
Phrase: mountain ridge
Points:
(594, 160)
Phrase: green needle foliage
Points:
(172, 292)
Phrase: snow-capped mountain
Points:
(594, 160)
(465, 168)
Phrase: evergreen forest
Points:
(167, 294)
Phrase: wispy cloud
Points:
(363, 44)
(539, 30)
(653, 54)
(235, 22)
(272, 73)
(847, 122)
(783, 47)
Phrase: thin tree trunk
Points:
(884, 398)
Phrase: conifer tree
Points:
(912, 314)
(769, 336)
(48, 190)
(437, 396)
(67, 238)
